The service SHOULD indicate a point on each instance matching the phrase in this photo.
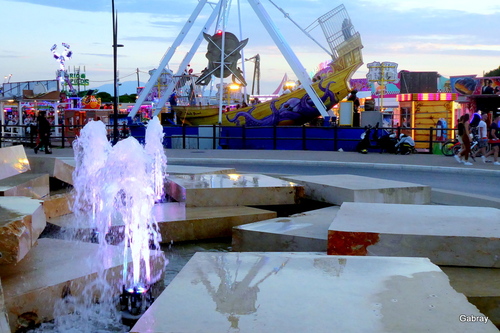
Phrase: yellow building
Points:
(421, 112)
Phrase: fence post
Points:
(304, 145)
(275, 137)
(62, 135)
(214, 133)
(183, 136)
(335, 138)
(244, 136)
(431, 141)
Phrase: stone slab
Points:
(307, 292)
(26, 184)
(4, 323)
(304, 232)
(481, 286)
(448, 235)
(215, 190)
(63, 169)
(58, 205)
(13, 161)
(173, 169)
(337, 189)
(22, 220)
(55, 267)
(42, 163)
(180, 223)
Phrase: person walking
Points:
(463, 132)
(482, 132)
(495, 140)
(44, 133)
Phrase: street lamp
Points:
(116, 133)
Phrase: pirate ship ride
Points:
(312, 99)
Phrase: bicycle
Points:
(453, 147)
(448, 147)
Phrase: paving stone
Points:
(448, 235)
(304, 232)
(26, 184)
(215, 190)
(22, 220)
(178, 222)
(13, 161)
(308, 292)
(337, 189)
(54, 268)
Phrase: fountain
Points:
(115, 185)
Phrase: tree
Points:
(105, 97)
(494, 72)
(128, 98)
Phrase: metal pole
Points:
(115, 78)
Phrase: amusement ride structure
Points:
(313, 98)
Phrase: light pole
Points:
(115, 73)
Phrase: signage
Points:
(78, 79)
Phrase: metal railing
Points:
(230, 137)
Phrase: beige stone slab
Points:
(22, 220)
(42, 164)
(447, 235)
(304, 232)
(63, 169)
(174, 169)
(337, 189)
(214, 190)
(13, 161)
(54, 267)
(4, 323)
(481, 286)
(180, 223)
(307, 292)
(26, 184)
(57, 205)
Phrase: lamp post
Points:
(115, 73)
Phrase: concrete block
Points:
(448, 235)
(308, 292)
(173, 169)
(481, 286)
(4, 323)
(337, 189)
(26, 184)
(13, 161)
(22, 220)
(215, 190)
(304, 232)
(58, 205)
(55, 268)
(178, 223)
(63, 169)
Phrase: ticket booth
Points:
(419, 112)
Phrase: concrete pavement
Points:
(417, 162)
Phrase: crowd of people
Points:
(478, 129)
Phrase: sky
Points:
(449, 37)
